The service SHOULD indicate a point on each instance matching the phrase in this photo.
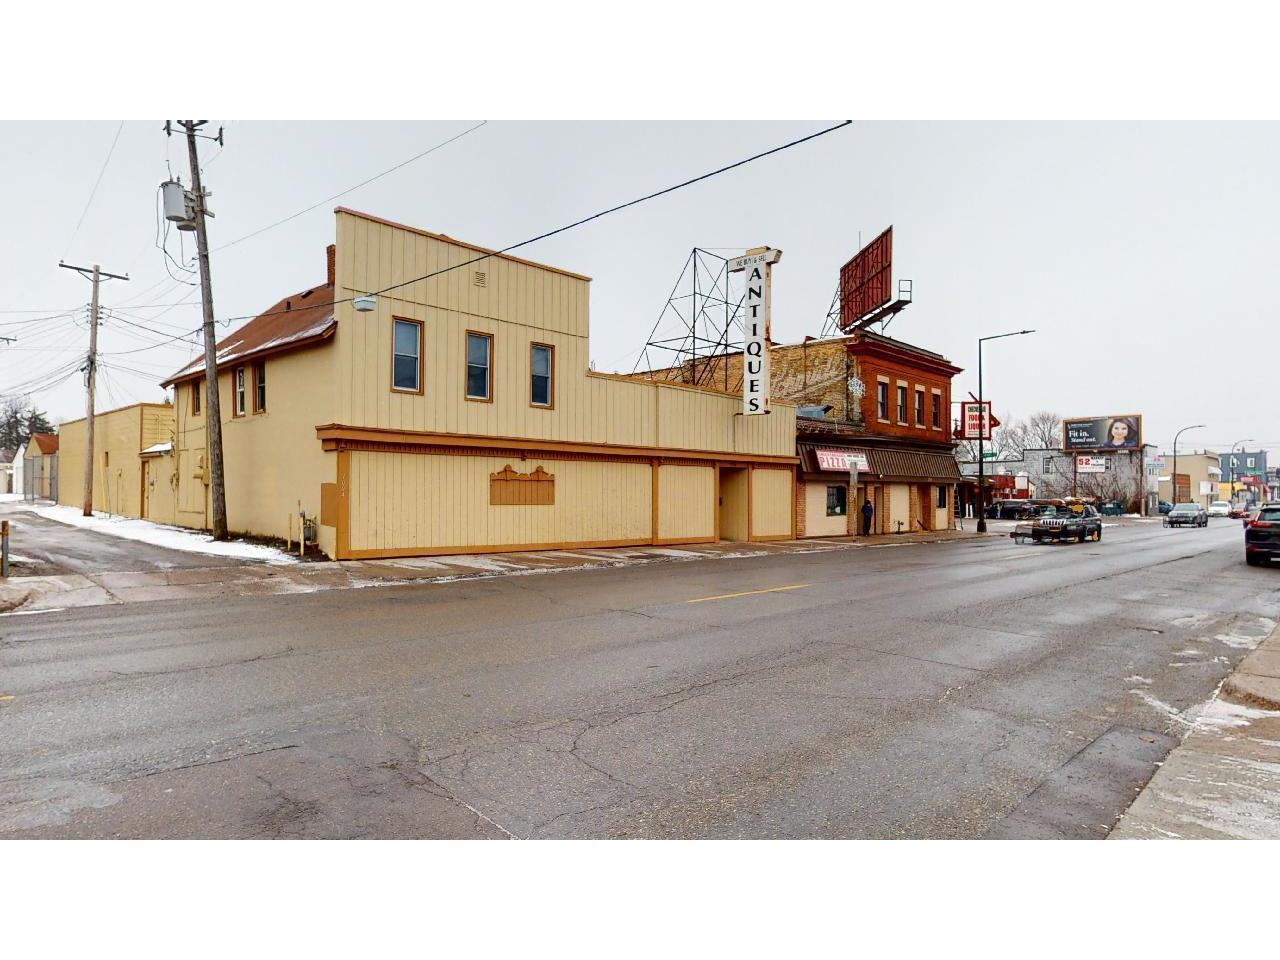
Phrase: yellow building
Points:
(133, 472)
(459, 415)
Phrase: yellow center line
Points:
(750, 593)
(6, 696)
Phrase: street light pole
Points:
(982, 493)
(1173, 479)
(1233, 464)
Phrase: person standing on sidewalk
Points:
(868, 511)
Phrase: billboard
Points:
(975, 420)
(865, 280)
(1123, 432)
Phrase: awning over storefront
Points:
(906, 465)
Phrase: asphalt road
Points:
(47, 547)
(967, 689)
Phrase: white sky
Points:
(1141, 253)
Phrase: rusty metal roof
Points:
(297, 320)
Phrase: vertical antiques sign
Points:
(758, 266)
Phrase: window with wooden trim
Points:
(510, 488)
(542, 364)
(197, 388)
(882, 400)
(260, 387)
(941, 502)
(937, 411)
(919, 407)
(479, 366)
(238, 393)
(406, 355)
(902, 403)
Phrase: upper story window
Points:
(902, 404)
(1249, 462)
(238, 393)
(1046, 464)
(260, 386)
(541, 374)
(882, 400)
(406, 355)
(919, 407)
(937, 411)
(479, 366)
(197, 387)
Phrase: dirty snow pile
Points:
(159, 535)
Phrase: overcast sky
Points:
(1141, 253)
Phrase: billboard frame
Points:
(866, 280)
(1136, 418)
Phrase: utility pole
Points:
(213, 411)
(96, 275)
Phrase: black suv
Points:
(1262, 536)
(1064, 524)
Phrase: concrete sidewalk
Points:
(1223, 781)
(24, 595)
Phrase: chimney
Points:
(331, 254)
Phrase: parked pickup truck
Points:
(1075, 522)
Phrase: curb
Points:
(12, 601)
(1251, 691)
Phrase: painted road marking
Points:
(750, 593)
(6, 696)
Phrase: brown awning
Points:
(909, 465)
(913, 465)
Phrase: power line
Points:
(578, 223)
(363, 183)
(94, 191)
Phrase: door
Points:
(146, 490)
(733, 507)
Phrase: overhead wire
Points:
(94, 192)
(362, 183)
(577, 223)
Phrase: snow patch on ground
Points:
(10, 497)
(1223, 713)
(1136, 679)
(159, 535)
(1194, 620)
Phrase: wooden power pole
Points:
(213, 408)
(95, 274)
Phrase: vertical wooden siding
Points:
(409, 501)
(686, 502)
(770, 503)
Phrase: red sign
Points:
(865, 281)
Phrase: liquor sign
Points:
(975, 420)
(842, 460)
(1093, 464)
(758, 266)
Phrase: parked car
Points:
(1006, 509)
(1164, 506)
(1253, 511)
(1219, 508)
(1187, 515)
(1262, 535)
(1064, 524)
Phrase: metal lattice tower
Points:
(699, 324)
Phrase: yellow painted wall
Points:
(770, 503)
(518, 304)
(272, 459)
(118, 437)
(409, 502)
(686, 502)
(816, 521)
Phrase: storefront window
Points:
(942, 497)
(837, 502)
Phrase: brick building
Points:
(885, 402)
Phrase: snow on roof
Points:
(297, 319)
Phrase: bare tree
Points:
(1044, 429)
